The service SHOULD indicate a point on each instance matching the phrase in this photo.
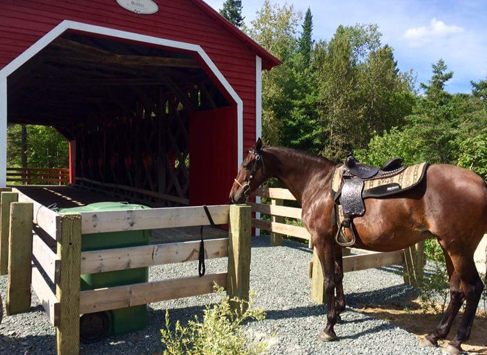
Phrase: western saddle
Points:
(354, 181)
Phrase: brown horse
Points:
(450, 205)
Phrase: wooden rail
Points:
(38, 176)
(64, 268)
(412, 258)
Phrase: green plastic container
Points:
(127, 319)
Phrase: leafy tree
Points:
(232, 11)
(46, 148)
(361, 90)
(275, 28)
(306, 41)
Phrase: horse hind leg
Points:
(472, 288)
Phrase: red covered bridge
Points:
(159, 100)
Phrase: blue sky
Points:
(420, 31)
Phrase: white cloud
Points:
(419, 36)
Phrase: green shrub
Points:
(218, 333)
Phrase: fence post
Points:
(68, 285)
(317, 280)
(19, 258)
(276, 238)
(6, 199)
(414, 262)
(239, 238)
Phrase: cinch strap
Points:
(201, 266)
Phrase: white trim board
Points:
(258, 115)
(78, 26)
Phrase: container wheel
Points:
(94, 327)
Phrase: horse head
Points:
(250, 176)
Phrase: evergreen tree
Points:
(479, 89)
(306, 41)
(435, 91)
(232, 11)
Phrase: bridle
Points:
(258, 158)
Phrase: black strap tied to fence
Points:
(201, 266)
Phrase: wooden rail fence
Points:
(20, 243)
(413, 258)
(38, 176)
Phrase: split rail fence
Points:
(413, 258)
(29, 260)
(37, 176)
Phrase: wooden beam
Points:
(137, 190)
(19, 258)
(98, 55)
(286, 229)
(93, 262)
(68, 286)
(276, 238)
(414, 261)
(138, 294)
(47, 298)
(44, 217)
(276, 209)
(46, 258)
(317, 280)
(372, 260)
(239, 249)
(6, 199)
(156, 218)
(283, 194)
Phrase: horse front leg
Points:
(340, 296)
(327, 259)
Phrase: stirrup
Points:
(339, 231)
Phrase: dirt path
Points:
(417, 321)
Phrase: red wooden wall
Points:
(212, 160)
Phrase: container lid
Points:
(104, 206)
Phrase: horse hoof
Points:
(426, 343)
(451, 350)
(325, 337)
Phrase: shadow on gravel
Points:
(31, 344)
(393, 294)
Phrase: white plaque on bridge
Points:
(143, 7)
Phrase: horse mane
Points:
(301, 153)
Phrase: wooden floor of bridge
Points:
(69, 196)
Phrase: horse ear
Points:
(258, 144)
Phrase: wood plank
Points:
(149, 255)
(372, 260)
(138, 294)
(239, 250)
(19, 259)
(277, 209)
(156, 218)
(293, 231)
(46, 258)
(47, 298)
(283, 194)
(44, 217)
(68, 286)
(6, 199)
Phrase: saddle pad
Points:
(384, 185)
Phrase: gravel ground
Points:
(279, 279)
